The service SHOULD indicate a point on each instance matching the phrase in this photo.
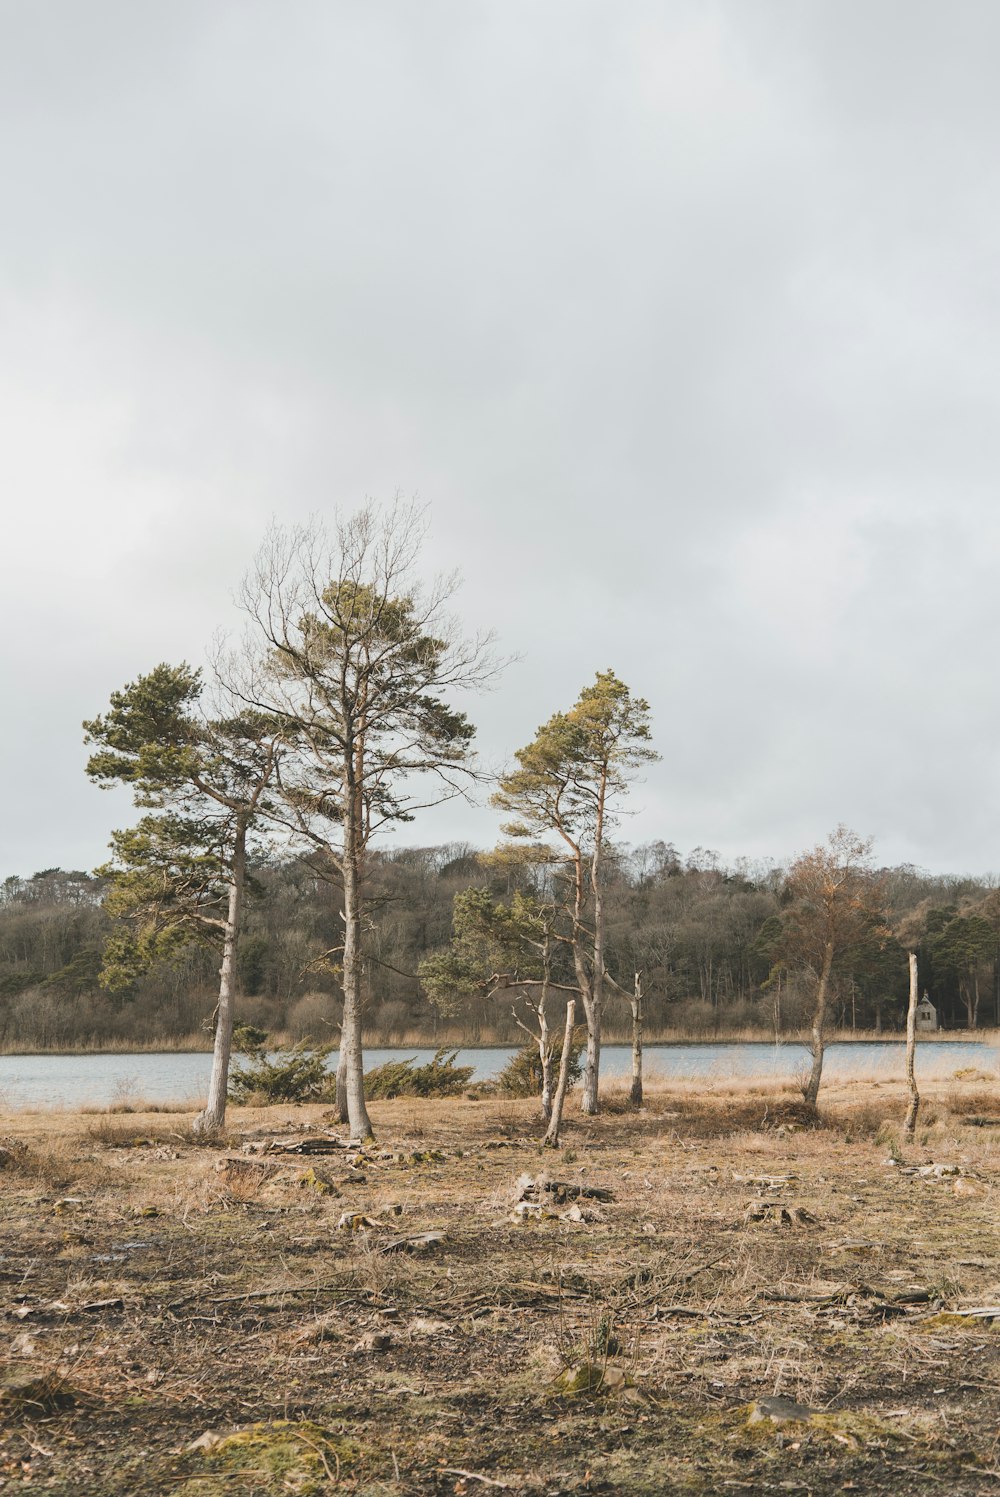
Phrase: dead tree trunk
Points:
(910, 1125)
(545, 1056)
(636, 1092)
(562, 1085)
(543, 1041)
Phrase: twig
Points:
(232, 1299)
(637, 1304)
(334, 1479)
(214, 1475)
(474, 1476)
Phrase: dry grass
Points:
(172, 1296)
(141, 1104)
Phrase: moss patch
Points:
(284, 1456)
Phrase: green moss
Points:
(319, 1181)
(949, 1319)
(284, 1456)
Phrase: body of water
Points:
(44, 1081)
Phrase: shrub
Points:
(522, 1075)
(308, 1015)
(440, 1077)
(293, 1073)
(248, 1039)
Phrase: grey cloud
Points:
(683, 318)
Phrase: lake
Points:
(45, 1081)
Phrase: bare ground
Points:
(154, 1293)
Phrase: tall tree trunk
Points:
(351, 1053)
(909, 1126)
(593, 1000)
(592, 1066)
(562, 1085)
(811, 1091)
(214, 1116)
(636, 1092)
(584, 982)
(341, 1095)
(544, 1041)
(965, 988)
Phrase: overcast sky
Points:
(684, 319)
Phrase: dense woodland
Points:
(704, 935)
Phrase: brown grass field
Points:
(156, 1292)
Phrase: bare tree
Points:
(835, 899)
(361, 662)
(910, 1122)
(909, 932)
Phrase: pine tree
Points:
(179, 875)
(568, 783)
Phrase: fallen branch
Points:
(487, 1481)
(234, 1299)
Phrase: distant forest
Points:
(705, 936)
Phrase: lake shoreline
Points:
(123, 1079)
(984, 1036)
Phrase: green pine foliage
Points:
(296, 1073)
(440, 1077)
(522, 1075)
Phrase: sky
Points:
(683, 319)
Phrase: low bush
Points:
(522, 1075)
(440, 1077)
(292, 1073)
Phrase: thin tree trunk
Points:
(562, 1085)
(636, 1092)
(214, 1116)
(910, 1125)
(584, 981)
(545, 1056)
(811, 1091)
(593, 1001)
(965, 988)
(351, 1053)
(544, 1044)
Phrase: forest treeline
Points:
(705, 935)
